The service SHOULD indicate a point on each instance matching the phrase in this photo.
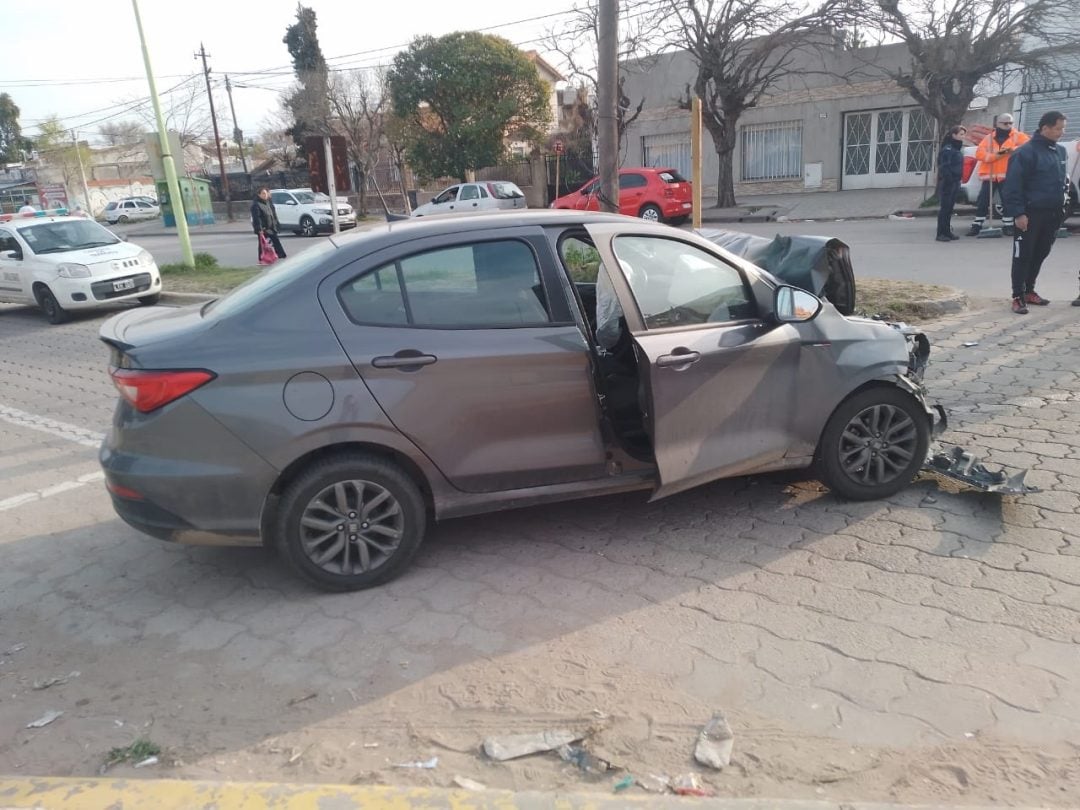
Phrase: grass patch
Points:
(207, 277)
(930, 202)
(136, 752)
(900, 300)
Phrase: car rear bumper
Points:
(176, 474)
(677, 208)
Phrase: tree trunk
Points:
(725, 176)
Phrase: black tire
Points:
(50, 306)
(330, 488)
(677, 221)
(149, 300)
(650, 213)
(123, 219)
(874, 444)
(307, 226)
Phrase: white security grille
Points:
(772, 151)
(671, 151)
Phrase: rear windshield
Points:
(269, 280)
(505, 191)
(671, 176)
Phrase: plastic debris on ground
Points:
(513, 746)
(970, 343)
(688, 784)
(960, 465)
(14, 648)
(426, 764)
(468, 784)
(624, 783)
(44, 720)
(587, 762)
(654, 783)
(45, 684)
(715, 743)
(147, 761)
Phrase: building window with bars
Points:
(772, 151)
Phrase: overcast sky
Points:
(58, 54)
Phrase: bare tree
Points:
(185, 112)
(956, 44)
(576, 43)
(121, 133)
(359, 101)
(743, 50)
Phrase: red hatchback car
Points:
(656, 195)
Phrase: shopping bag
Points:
(267, 254)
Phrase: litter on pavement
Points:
(513, 746)
(44, 720)
(426, 764)
(466, 783)
(589, 763)
(715, 743)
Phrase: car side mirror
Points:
(292, 202)
(792, 305)
(10, 254)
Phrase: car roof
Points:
(289, 189)
(14, 220)
(383, 234)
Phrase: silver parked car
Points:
(412, 371)
(467, 198)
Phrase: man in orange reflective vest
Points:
(993, 156)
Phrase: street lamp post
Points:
(187, 256)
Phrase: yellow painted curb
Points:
(48, 793)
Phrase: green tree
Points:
(57, 151)
(461, 96)
(11, 139)
(309, 102)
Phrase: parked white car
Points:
(64, 263)
(131, 210)
(484, 196)
(308, 212)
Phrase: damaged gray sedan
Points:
(449, 366)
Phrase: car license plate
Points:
(123, 284)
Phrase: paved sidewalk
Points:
(172, 794)
(824, 205)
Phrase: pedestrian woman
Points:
(265, 222)
(950, 173)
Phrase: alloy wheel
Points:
(352, 527)
(878, 444)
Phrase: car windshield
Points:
(268, 281)
(308, 197)
(505, 191)
(61, 237)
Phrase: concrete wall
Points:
(818, 100)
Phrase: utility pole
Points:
(607, 99)
(695, 160)
(217, 138)
(238, 136)
(82, 174)
(187, 256)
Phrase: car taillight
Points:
(149, 390)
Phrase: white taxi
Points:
(64, 263)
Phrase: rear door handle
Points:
(677, 359)
(405, 360)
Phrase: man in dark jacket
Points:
(264, 220)
(950, 171)
(1034, 195)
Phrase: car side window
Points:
(8, 242)
(480, 285)
(470, 193)
(447, 196)
(632, 181)
(483, 192)
(678, 284)
(279, 199)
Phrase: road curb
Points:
(47, 793)
(182, 299)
